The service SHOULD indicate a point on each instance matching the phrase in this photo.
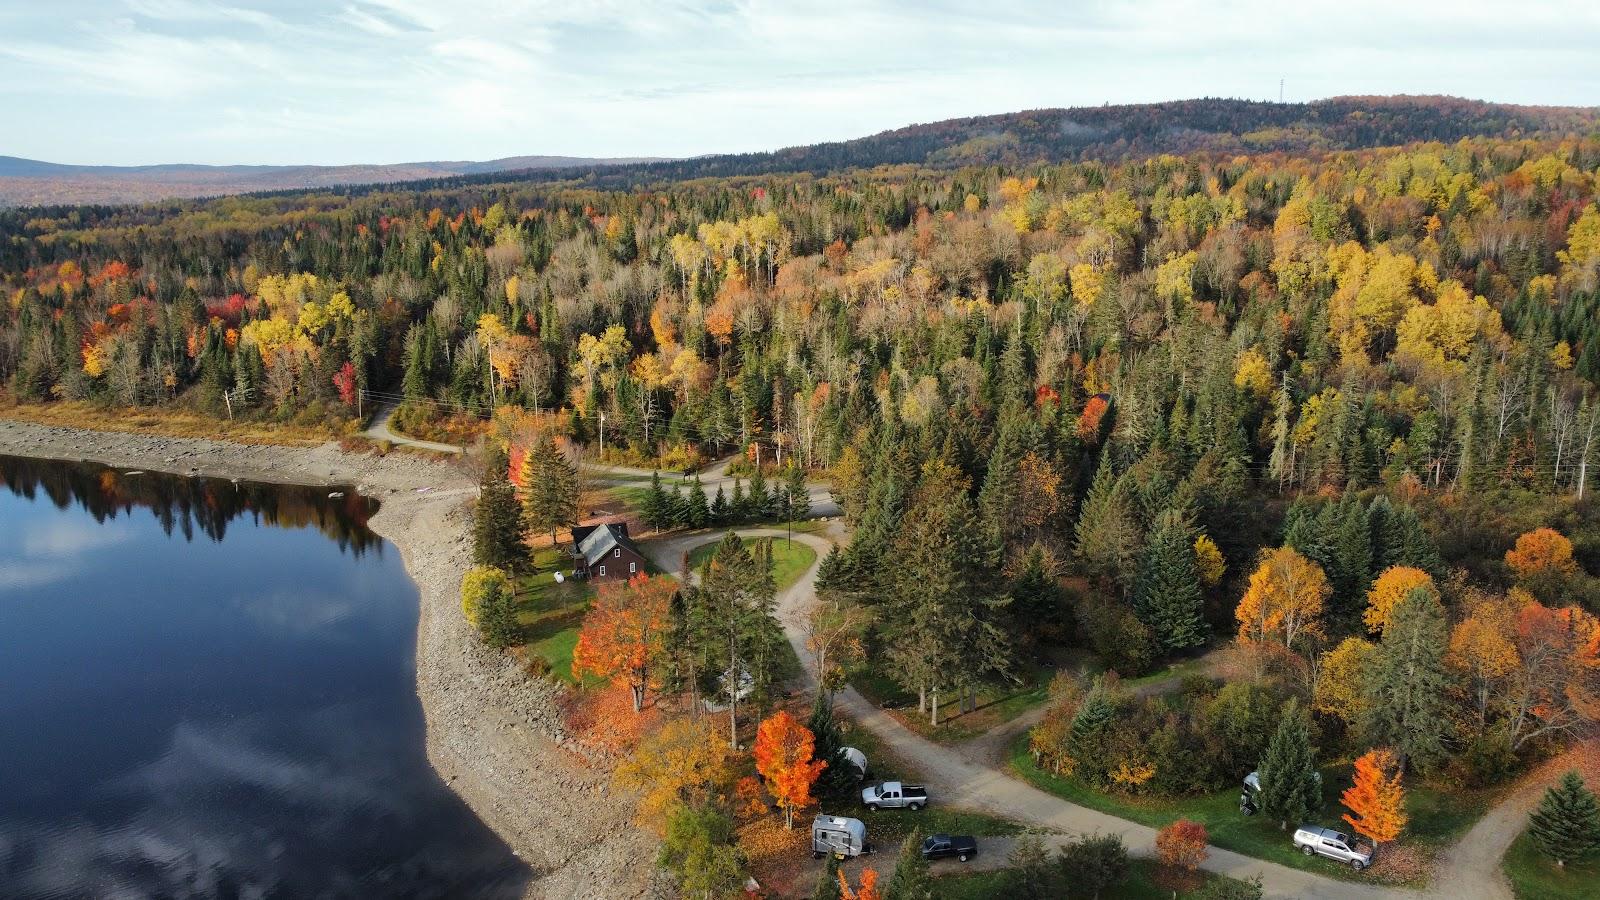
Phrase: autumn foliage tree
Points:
(1181, 848)
(868, 889)
(1376, 799)
(1392, 586)
(683, 764)
(1285, 599)
(1542, 560)
(624, 633)
(783, 752)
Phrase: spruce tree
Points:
(828, 882)
(1566, 826)
(738, 506)
(697, 512)
(656, 510)
(1407, 685)
(549, 489)
(1166, 588)
(911, 879)
(796, 497)
(1290, 788)
(497, 618)
(678, 507)
(719, 507)
(497, 520)
(759, 498)
(840, 776)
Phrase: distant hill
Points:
(1138, 130)
(1042, 135)
(29, 182)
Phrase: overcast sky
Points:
(345, 81)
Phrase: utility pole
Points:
(1280, 90)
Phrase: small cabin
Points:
(604, 552)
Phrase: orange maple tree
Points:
(1181, 848)
(867, 891)
(1376, 797)
(1541, 552)
(625, 632)
(1094, 411)
(783, 754)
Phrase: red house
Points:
(603, 552)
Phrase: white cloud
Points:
(395, 80)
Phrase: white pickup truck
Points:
(894, 795)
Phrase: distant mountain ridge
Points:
(1212, 125)
(1138, 130)
(29, 182)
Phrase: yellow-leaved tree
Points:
(1285, 599)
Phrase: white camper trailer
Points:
(843, 837)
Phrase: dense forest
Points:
(1129, 404)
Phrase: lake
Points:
(208, 689)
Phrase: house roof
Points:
(594, 546)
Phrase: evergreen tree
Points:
(497, 618)
(678, 507)
(944, 627)
(657, 505)
(840, 777)
(1107, 531)
(911, 879)
(549, 489)
(1407, 685)
(1566, 826)
(828, 882)
(738, 506)
(1166, 588)
(734, 628)
(796, 497)
(1290, 788)
(697, 512)
(719, 507)
(759, 498)
(497, 520)
(1036, 596)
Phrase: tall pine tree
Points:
(497, 520)
(1566, 826)
(1166, 587)
(1290, 788)
(1407, 686)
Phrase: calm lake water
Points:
(208, 690)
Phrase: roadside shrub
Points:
(1117, 635)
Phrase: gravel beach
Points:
(493, 732)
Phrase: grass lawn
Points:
(789, 561)
(1437, 817)
(1534, 877)
(1139, 885)
(550, 613)
(996, 705)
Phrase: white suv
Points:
(1333, 844)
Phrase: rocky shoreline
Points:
(493, 732)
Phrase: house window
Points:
(602, 571)
(633, 568)
(617, 552)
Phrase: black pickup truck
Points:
(939, 846)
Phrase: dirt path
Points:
(379, 430)
(494, 734)
(1471, 869)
